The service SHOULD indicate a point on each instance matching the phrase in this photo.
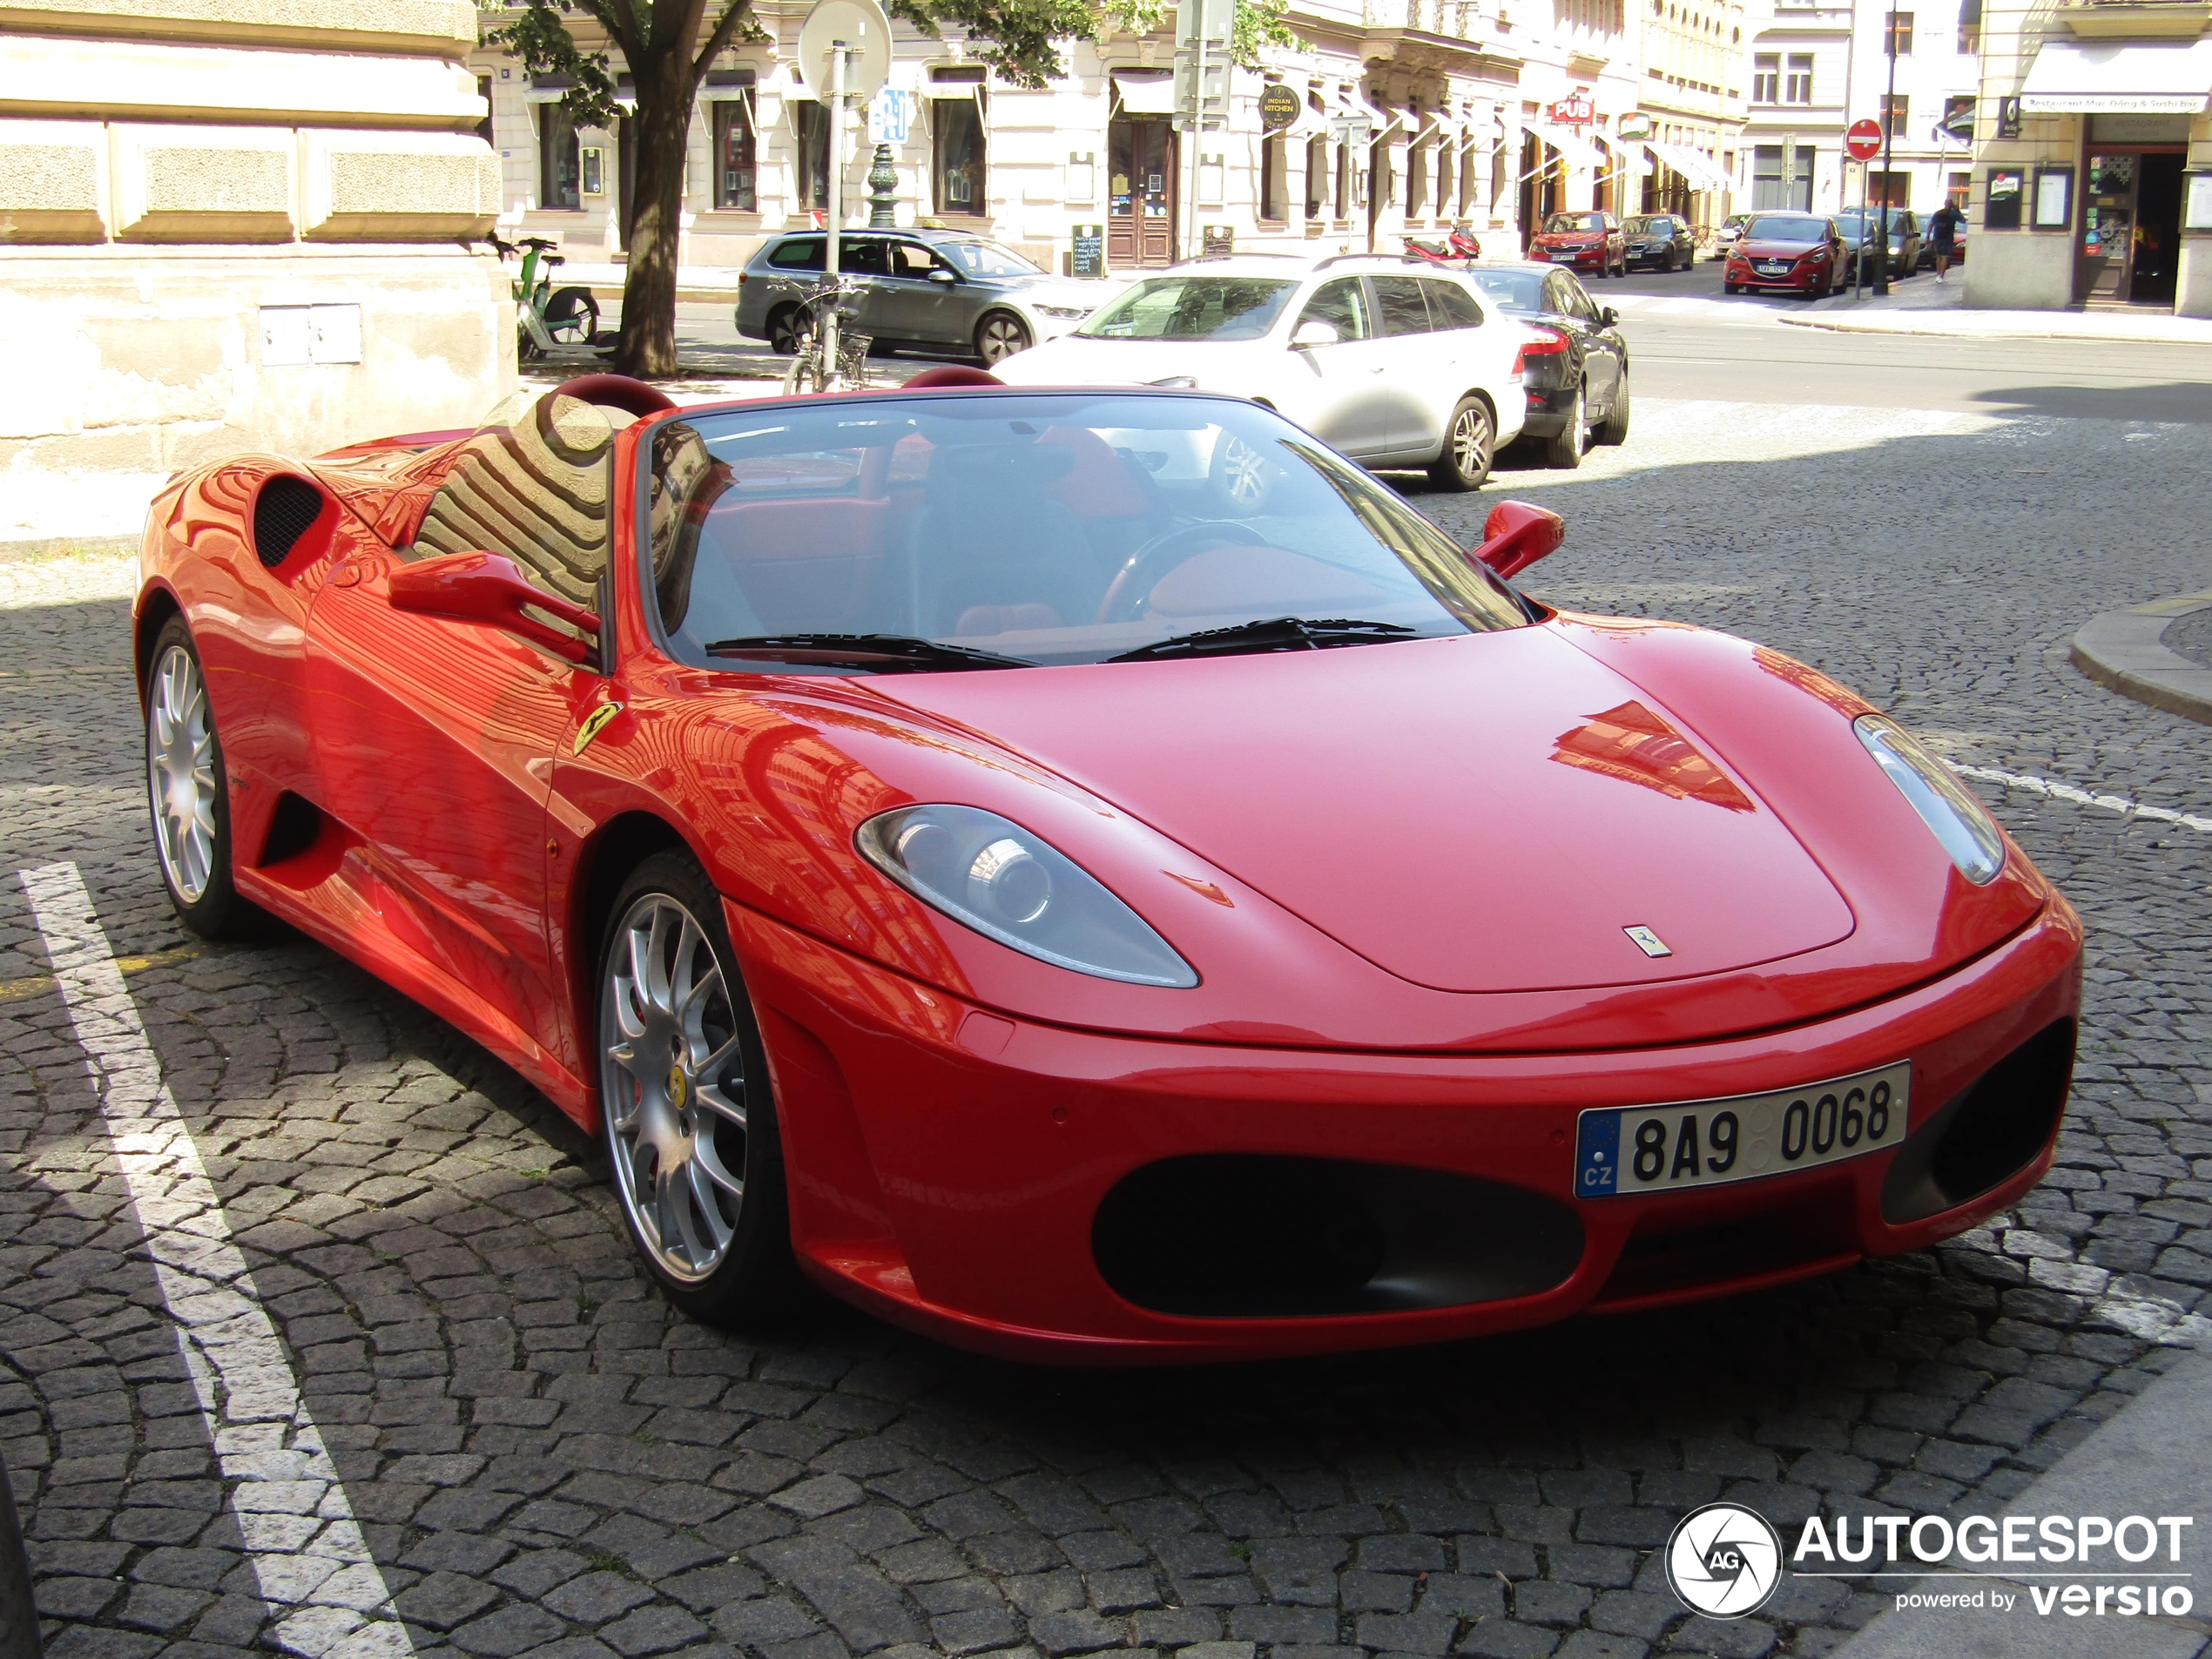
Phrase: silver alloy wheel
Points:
(1243, 473)
(673, 1088)
(1470, 441)
(1578, 421)
(180, 773)
(1001, 336)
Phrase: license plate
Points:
(1774, 269)
(1565, 259)
(1709, 1142)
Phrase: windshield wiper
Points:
(1269, 633)
(883, 652)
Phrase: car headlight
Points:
(1945, 805)
(989, 873)
(1071, 312)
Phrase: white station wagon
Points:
(1394, 364)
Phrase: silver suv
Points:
(934, 291)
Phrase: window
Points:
(559, 166)
(812, 158)
(734, 165)
(1897, 111)
(1766, 78)
(1799, 90)
(1779, 180)
(1958, 117)
(1340, 303)
(1451, 306)
(800, 254)
(1398, 299)
(1958, 187)
(483, 127)
(1970, 28)
(1889, 189)
(1274, 186)
(957, 156)
(1316, 176)
(1344, 181)
(1416, 179)
(1899, 40)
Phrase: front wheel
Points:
(188, 790)
(572, 317)
(1469, 440)
(1614, 430)
(1731, 287)
(999, 336)
(785, 330)
(685, 1110)
(1565, 450)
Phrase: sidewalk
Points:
(1920, 305)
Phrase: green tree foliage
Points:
(667, 46)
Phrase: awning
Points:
(1628, 159)
(1148, 93)
(1312, 123)
(1702, 172)
(2083, 77)
(1581, 153)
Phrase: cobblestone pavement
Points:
(542, 1459)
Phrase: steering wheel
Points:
(618, 392)
(1143, 569)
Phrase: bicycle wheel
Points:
(572, 317)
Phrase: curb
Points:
(2085, 335)
(2121, 650)
(2137, 1463)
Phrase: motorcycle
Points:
(1458, 250)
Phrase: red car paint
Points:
(1321, 834)
(1803, 272)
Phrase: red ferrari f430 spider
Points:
(1091, 875)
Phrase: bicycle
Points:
(546, 317)
(808, 372)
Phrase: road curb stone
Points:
(2125, 651)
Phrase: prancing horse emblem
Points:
(1648, 942)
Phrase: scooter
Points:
(1460, 249)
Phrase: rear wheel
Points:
(189, 792)
(1614, 428)
(685, 1111)
(999, 336)
(1470, 439)
(572, 317)
(784, 326)
(1565, 449)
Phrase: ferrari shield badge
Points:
(594, 723)
(1646, 941)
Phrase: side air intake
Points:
(286, 509)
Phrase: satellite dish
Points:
(862, 26)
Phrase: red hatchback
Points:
(1793, 252)
(1591, 241)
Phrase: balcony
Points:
(2136, 19)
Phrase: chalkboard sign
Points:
(1217, 241)
(1090, 252)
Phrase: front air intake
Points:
(1987, 1134)
(286, 509)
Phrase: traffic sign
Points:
(862, 29)
(1863, 140)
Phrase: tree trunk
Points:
(662, 126)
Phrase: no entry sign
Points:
(1863, 140)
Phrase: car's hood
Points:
(1082, 360)
(1483, 813)
(1569, 238)
(1774, 250)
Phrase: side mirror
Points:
(1516, 535)
(1314, 331)
(942, 275)
(488, 589)
(1608, 317)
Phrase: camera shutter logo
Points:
(1723, 1561)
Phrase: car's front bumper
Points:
(1798, 279)
(1590, 258)
(946, 1164)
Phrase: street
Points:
(544, 1458)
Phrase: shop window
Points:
(1274, 184)
(1766, 78)
(957, 156)
(1799, 87)
(1343, 196)
(813, 154)
(1316, 176)
(559, 165)
(1417, 179)
(1890, 189)
(735, 158)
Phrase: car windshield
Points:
(987, 260)
(1016, 529)
(1787, 227)
(1647, 226)
(1192, 307)
(1852, 222)
(1512, 290)
(1560, 222)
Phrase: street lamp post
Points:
(1889, 126)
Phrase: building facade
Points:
(1413, 117)
(1800, 102)
(2092, 179)
(1937, 81)
(236, 224)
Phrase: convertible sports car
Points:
(1091, 875)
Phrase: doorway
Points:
(2131, 227)
(1141, 154)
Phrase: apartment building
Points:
(236, 224)
(1927, 108)
(1800, 103)
(1696, 59)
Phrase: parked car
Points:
(1590, 241)
(1859, 227)
(1788, 253)
(946, 843)
(932, 291)
(1390, 359)
(1728, 233)
(1576, 369)
(1660, 240)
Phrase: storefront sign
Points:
(1575, 109)
(1636, 126)
(1217, 241)
(1278, 107)
(1090, 257)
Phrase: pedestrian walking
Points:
(1942, 232)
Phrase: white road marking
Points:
(322, 1586)
(2035, 785)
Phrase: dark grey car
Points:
(948, 291)
(1660, 240)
